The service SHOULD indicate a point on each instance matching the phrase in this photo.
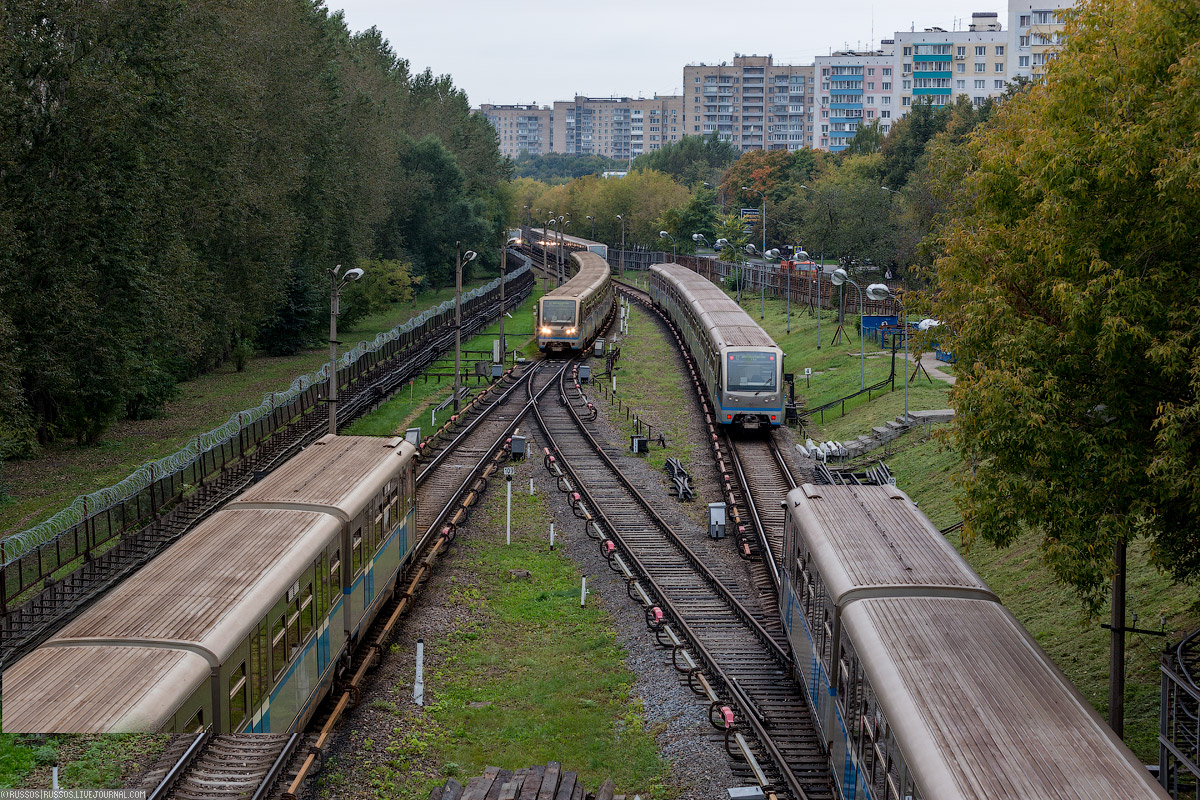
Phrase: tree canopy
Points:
(175, 178)
(1068, 285)
(563, 167)
(691, 160)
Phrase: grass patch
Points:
(1050, 610)
(540, 680)
(411, 406)
(41, 486)
(88, 761)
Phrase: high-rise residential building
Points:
(851, 92)
(522, 129)
(753, 104)
(936, 66)
(1035, 31)
(594, 126)
(654, 122)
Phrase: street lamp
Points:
(622, 221)
(593, 219)
(337, 282)
(772, 253)
(562, 248)
(838, 278)
(665, 235)
(720, 194)
(880, 291)
(762, 222)
(546, 249)
(559, 255)
(463, 258)
(503, 269)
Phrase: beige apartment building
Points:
(752, 103)
(1035, 31)
(522, 129)
(616, 127)
(937, 66)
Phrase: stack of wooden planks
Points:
(547, 782)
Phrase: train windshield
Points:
(751, 372)
(558, 312)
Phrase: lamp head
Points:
(620, 217)
(751, 249)
(698, 237)
(589, 216)
(722, 243)
(663, 234)
(353, 274)
(879, 291)
(772, 253)
(513, 240)
(469, 256)
(838, 277)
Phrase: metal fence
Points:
(94, 522)
(1179, 720)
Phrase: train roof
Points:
(980, 711)
(206, 588)
(729, 325)
(871, 539)
(336, 474)
(592, 272)
(99, 688)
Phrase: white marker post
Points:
(551, 535)
(583, 592)
(508, 476)
(531, 484)
(419, 683)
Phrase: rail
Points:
(1179, 719)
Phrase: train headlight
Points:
(570, 331)
(545, 331)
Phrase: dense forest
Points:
(177, 177)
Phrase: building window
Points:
(980, 84)
(887, 71)
(981, 51)
(1023, 41)
(999, 84)
(905, 101)
(870, 101)
(980, 67)
(1023, 61)
(907, 68)
(887, 101)
(999, 66)
(1024, 23)
(961, 52)
(999, 49)
(887, 86)
(885, 115)
(960, 67)
(908, 84)
(960, 84)
(870, 70)
(908, 51)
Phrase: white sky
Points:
(508, 51)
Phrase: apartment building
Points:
(1035, 32)
(594, 126)
(936, 66)
(654, 122)
(854, 88)
(753, 103)
(522, 129)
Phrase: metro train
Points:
(241, 625)
(923, 685)
(568, 317)
(740, 365)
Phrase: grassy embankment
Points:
(85, 762)
(39, 487)
(529, 678)
(412, 406)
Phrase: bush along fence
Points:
(32, 562)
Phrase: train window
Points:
(392, 517)
(260, 670)
(293, 627)
(335, 573)
(237, 696)
(279, 647)
(356, 552)
(306, 613)
(196, 723)
(322, 587)
(377, 536)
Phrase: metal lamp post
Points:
(762, 222)
(562, 249)
(838, 278)
(772, 253)
(503, 270)
(463, 258)
(593, 220)
(546, 248)
(337, 282)
(559, 254)
(880, 291)
(665, 235)
(622, 221)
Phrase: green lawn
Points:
(85, 761)
(534, 679)
(39, 487)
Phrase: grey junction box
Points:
(518, 447)
(585, 373)
(716, 520)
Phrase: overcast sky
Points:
(507, 51)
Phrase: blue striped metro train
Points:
(741, 367)
(243, 624)
(569, 317)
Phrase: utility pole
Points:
(337, 282)
(462, 258)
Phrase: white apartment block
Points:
(753, 104)
(655, 122)
(853, 89)
(936, 66)
(522, 129)
(1035, 32)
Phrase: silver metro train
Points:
(240, 625)
(740, 365)
(569, 317)
(924, 686)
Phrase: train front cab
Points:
(558, 324)
(751, 387)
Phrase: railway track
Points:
(764, 479)
(744, 657)
(245, 766)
